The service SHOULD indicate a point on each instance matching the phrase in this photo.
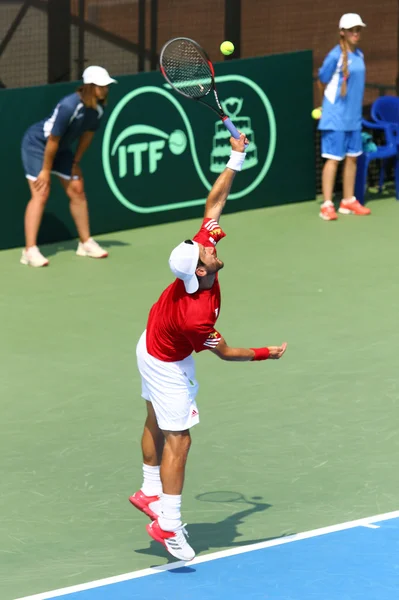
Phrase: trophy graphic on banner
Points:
(221, 145)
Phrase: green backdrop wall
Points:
(157, 154)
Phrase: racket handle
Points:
(230, 126)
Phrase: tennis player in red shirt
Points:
(180, 322)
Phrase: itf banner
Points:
(157, 154)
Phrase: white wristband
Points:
(236, 160)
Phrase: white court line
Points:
(365, 522)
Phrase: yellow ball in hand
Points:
(227, 48)
(316, 113)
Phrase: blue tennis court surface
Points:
(358, 560)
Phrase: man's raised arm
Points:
(217, 197)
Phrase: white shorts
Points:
(171, 388)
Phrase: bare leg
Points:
(74, 189)
(34, 214)
(349, 176)
(152, 441)
(174, 458)
(328, 179)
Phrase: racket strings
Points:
(187, 69)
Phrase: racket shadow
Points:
(221, 534)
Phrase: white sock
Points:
(347, 200)
(170, 518)
(152, 485)
(327, 203)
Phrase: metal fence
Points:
(47, 41)
(126, 35)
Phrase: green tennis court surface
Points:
(312, 437)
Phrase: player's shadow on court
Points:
(71, 246)
(221, 534)
(54, 229)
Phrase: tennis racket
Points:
(188, 69)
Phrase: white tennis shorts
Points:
(171, 388)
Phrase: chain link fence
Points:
(125, 36)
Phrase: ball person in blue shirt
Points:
(342, 80)
(47, 147)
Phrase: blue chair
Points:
(385, 115)
(386, 109)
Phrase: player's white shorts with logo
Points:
(171, 388)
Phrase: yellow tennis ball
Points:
(227, 48)
(316, 113)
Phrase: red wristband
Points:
(261, 353)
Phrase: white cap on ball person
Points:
(350, 20)
(183, 263)
(97, 75)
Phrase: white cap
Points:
(98, 76)
(350, 20)
(183, 263)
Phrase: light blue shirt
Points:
(342, 113)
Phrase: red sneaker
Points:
(174, 541)
(327, 213)
(143, 503)
(353, 207)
